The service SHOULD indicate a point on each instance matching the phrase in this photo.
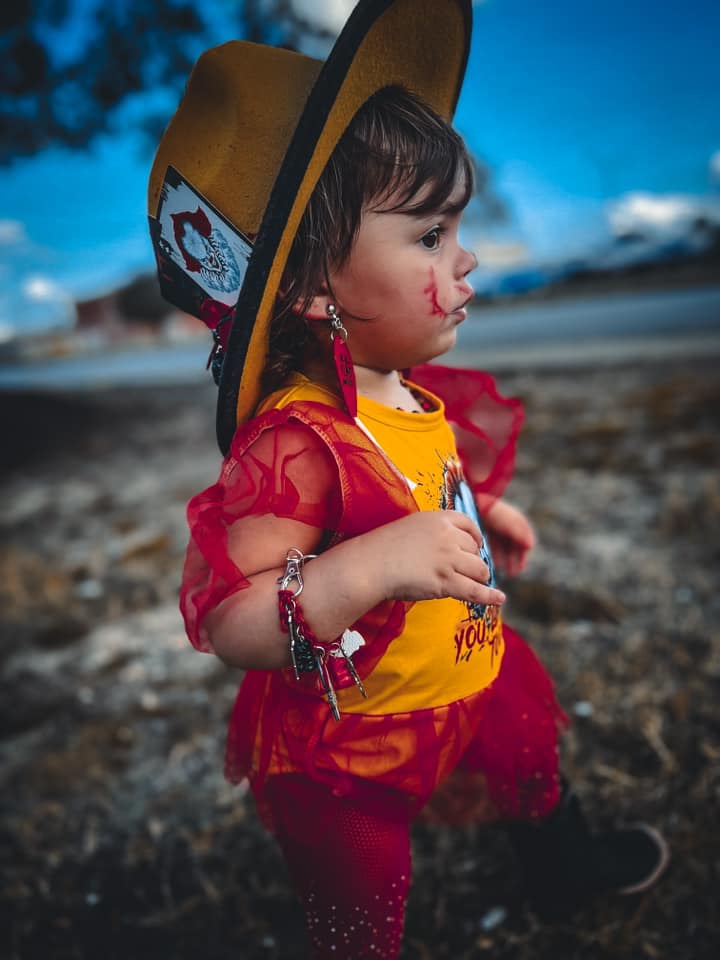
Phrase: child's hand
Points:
(434, 554)
(511, 536)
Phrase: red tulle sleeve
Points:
(486, 425)
(278, 467)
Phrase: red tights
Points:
(350, 863)
(349, 857)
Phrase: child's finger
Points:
(463, 522)
(469, 544)
(470, 591)
(472, 566)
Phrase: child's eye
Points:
(431, 239)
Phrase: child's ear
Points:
(316, 309)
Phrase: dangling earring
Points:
(342, 359)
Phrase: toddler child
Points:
(345, 559)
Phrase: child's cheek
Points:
(431, 295)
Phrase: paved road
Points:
(608, 329)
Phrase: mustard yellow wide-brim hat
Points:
(254, 131)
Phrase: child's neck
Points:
(386, 387)
(382, 386)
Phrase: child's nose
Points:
(467, 262)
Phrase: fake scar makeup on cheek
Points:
(431, 292)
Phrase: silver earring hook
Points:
(336, 326)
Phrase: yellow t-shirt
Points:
(448, 649)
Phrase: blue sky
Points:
(600, 97)
(577, 108)
(575, 105)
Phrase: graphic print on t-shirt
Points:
(456, 495)
(481, 626)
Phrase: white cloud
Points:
(12, 233)
(332, 14)
(327, 14)
(42, 289)
(32, 303)
(661, 216)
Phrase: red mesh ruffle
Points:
(486, 425)
(502, 740)
(509, 770)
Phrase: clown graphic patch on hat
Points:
(199, 253)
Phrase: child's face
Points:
(403, 292)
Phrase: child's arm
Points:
(422, 556)
(511, 536)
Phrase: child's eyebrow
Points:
(457, 207)
(444, 210)
(422, 210)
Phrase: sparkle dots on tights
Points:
(353, 875)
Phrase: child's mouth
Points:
(461, 311)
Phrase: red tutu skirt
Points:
(492, 756)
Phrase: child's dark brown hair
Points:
(394, 147)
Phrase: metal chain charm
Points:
(333, 661)
(301, 651)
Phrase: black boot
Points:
(566, 865)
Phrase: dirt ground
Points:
(120, 838)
